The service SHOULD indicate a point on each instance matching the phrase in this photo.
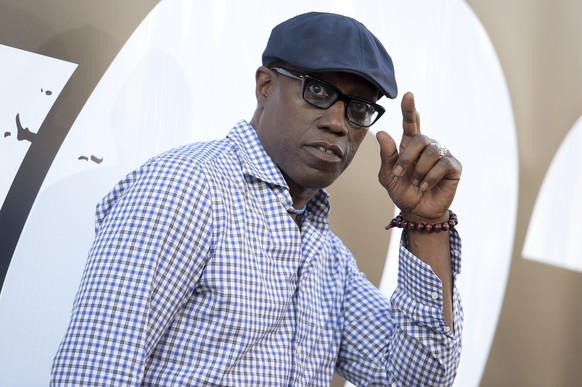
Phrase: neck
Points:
(300, 195)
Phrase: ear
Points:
(263, 83)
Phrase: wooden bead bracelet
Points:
(400, 222)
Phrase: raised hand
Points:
(421, 176)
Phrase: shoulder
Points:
(179, 172)
(194, 162)
(197, 153)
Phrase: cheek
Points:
(356, 139)
(288, 115)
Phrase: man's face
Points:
(311, 146)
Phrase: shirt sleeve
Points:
(404, 340)
(153, 236)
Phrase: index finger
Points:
(410, 119)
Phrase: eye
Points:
(360, 109)
(319, 90)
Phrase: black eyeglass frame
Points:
(347, 99)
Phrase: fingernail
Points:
(397, 170)
(415, 182)
(424, 186)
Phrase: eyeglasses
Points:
(323, 95)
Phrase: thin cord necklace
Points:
(297, 212)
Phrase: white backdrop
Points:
(187, 73)
(560, 194)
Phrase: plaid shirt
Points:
(199, 277)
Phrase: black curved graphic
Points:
(90, 36)
(23, 134)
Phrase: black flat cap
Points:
(318, 41)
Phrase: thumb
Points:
(388, 156)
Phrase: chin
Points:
(311, 179)
(319, 182)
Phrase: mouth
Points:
(326, 151)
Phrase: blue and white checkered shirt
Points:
(198, 276)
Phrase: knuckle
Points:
(404, 159)
(434, 152)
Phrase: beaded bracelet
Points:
(426, 227)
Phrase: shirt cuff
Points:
(418, 295)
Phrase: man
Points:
(213, 264)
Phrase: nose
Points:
(334, 119)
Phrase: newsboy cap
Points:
(317, 41)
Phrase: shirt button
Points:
(434, 295)
(447, 329)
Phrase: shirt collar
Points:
(257, 163)
(255, 160)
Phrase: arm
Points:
(416, 338)
(147, 256)
(422, 184)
